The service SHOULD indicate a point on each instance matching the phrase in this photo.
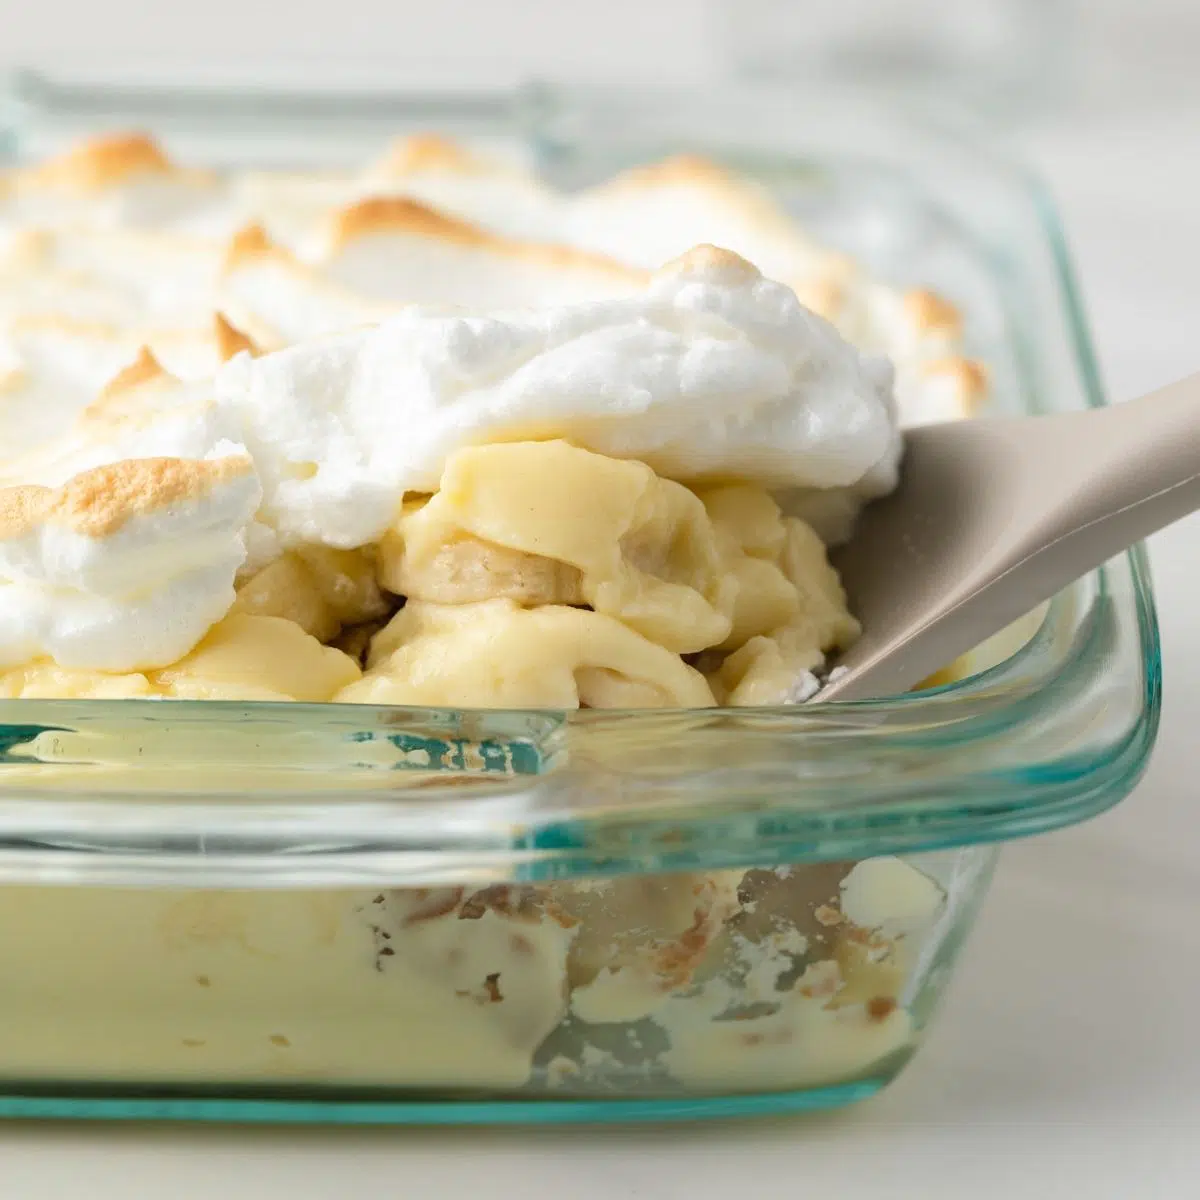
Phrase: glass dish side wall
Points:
(811, 976)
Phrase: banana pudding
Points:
(432, 434)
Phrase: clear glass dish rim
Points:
(541, 828)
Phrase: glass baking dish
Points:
(300, 912)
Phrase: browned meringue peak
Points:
(278, 300)
(145, 369)
(203, 350)
(98, 502)
(921, 333)
(427, 152)
(652, 213)
(130, 400)
(106, 160)
(123, 564)
(133, 279)
(293, 205)
(189, 353)
(58, 369)
(646, 212)
(400, 208)
(942, 389)
(54, 368)
(194, 354)
(124, 516)
(228, 340)
(400, 250)
(288, 205)
(121, 177)
(495, 192)
(163, 288)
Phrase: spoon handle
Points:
(1115, 475)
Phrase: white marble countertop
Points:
(1066, 1062)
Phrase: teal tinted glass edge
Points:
(1089, 369)
(447, 1112)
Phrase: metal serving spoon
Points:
(994, 516)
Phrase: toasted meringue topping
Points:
(124, 567)
(117, 179)
(426, 152)
(401, 251)
(55, 368)
(230, 341)
(145, 369)
(101, 501)
(278, 300)
(710, 372)
(288, 334)
(100, 162)
(473, 186)
(142, 413)
(653, 213)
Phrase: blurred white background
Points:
(1067, 1063)
(1119, 51)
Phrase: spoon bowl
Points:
(993, 516)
